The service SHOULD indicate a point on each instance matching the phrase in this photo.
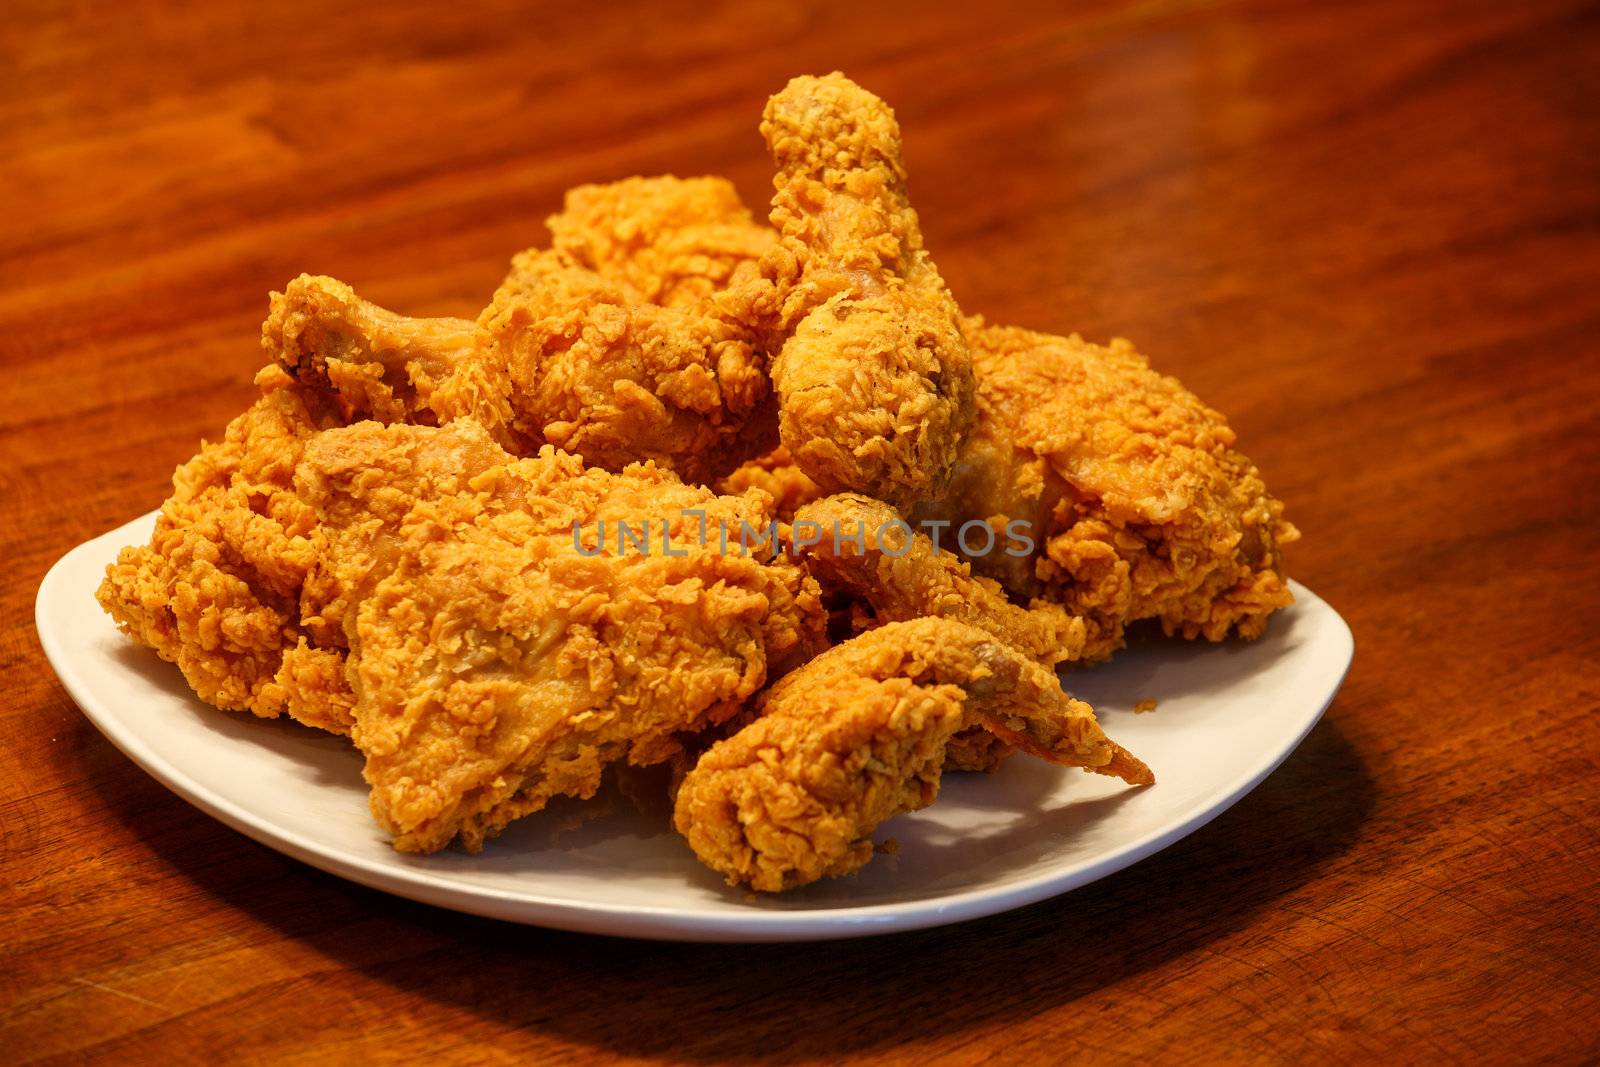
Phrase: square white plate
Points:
(1228, 715)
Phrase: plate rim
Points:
(667, 923)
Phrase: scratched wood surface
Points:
(1369, 232)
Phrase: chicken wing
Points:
(861, 549)
(858, 735)
(873, 378)
(561, 356)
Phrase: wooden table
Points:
(1369, 232)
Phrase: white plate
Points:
(1228, 716)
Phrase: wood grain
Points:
(1370, 232)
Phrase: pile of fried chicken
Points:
(408, 538)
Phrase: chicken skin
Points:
(505, 645)
(1136, 501)
(872, 373)
(858, 736)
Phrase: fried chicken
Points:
(363, 483)
(1138, 505)
(486, 550)
(505, 646)
(858, 736)
(862, 549)
(634, 336)
(670, 241)
(217, 588)
(375, 364)
(598, 372)
(647, 332)
(873, 377)
(232, 586)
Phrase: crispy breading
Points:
(597, 372)
(560, 356)
(858, 735)
(672, 241)
(863, 548)
(1137, 501)
(216, 590)
(873, 378)
(496, 663)
(375, 364)
(775, 474)
(895, 574)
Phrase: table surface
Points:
(1369, 232)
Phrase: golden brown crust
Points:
(858, 735)
(976, 749)
(1137, 501)
(873, 377)
(498, 666)
(863, 548)
(633, 337)
(562, 356)
(775, 474)
(374, 364)
(217, 588)
(892, 573)
(671, 241)
(600, 373)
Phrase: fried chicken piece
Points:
(862, 548)
(973, 749)
(597, 372)
(865, 550)
(873, 377)
(217, 588)
(671, 241)
(633, 337)
(231, 585)
(497, 663)
(376, 364)
(776, 475)
(858, 736)
(1136, 500)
